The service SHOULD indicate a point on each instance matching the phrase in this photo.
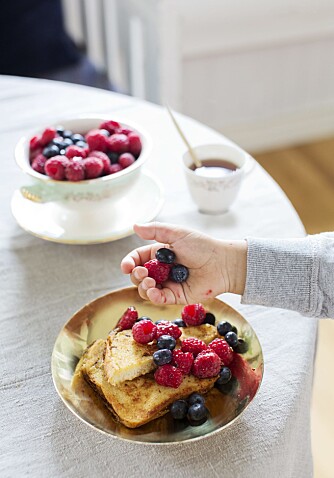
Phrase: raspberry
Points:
(157, 270)
(55, 167)
(93, 167)
(222, 349)
(134, 144)
(33, 154)
(168, 376)
(128, 319)
(183, 361)
(72, 151)
(35, 142)
(248, 379)
(96, 140)
(104, 158)
(38, 164)
(207, 364)
(179, 273)
(193, 345)
(126, 159)
(48, 135)
(75, 171)
(123, 130)
(168, 328)
(144, 331)
(193, 314)
(114, 168)
(111, 126)
(118, 143)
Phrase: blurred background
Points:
(260, 72)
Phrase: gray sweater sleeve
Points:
(296, 274)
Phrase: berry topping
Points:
(104, 158)
(206, 365)
(73, 151)
(134, 143)
(110, 126)
(179, 409)
(193, 345)
(115, 168)
(144, 331)
(209, 319)
(241, 347)
(183, 361)
(67, 133)
(39, 163)
(96, 140)
(118, 143)
(35, 142)
(77, 137)
(179, 323)
(224, 376)
(193, 314)
(234, 329)
(248, 379)
(223, 328)
(128, 319)
(168, 328)
(47, 136)
(179, 273)
(196, 398)
(162, 357)
(55, 167)
(126, 159)
(197, 414)
(157, 270)
(93, 167)
(75, 171)
(168, 376)
(166, 342)
(165, 255)
(51, 151)
(222, 349)
(232, 339)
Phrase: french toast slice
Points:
(205, 332)
(138, 401)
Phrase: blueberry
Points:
(159, 322)
(166, 342)
(241, 347)
(231, 338)
(224, 327)
(162, 357)
(179, 323)
(105, 132)
(196, 398)
(197, 412)
(57, 141)
(67, 133)
(144, 318)
(81, 144)
(234, 329)
(77, 137)
(209, 319)
(179, 409)
(165, 255)
(229, 387)
(60, 130)
(67, 142)
(113, 157)
(197, 423)
(179, 273)
(224, 376)
(50, 151)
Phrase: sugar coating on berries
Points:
(38, 163)
(207, 364)
(73, 151)
(128, 318)
(111, 126)
(168, 376)
(222, 349)
(126, 159)
(134, 143)
(165, 255)
(157, 270)
(75, 171)
(93, 167)
(179, 273)
(103, 157)
(96, 140)
(115, 168)
(144, 331)
(118, 143)
(183, 361)
(55, 167)
(193, 314)
(48, 135)
(162, 357)
(193, 345)
(168, 328)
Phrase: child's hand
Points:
(214, 266)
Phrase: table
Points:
(43, 284)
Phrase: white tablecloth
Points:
(43, 284)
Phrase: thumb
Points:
(160, 232)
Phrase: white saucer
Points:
(105, 221)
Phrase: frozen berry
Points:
(93, 167)
(75, 171)
(197, 413)
(110, 126)
(105, 132)
(48, 135)
(223, 328)
(179, 409)
(209, 319)
(231, 338)
(168, 376)
(114, 168)
(168, 328)
(222, 349)
(67, 142)
(128, 318)
(34, 153)
(51, 151)
(165, 255)
(96, 140)
(77, 137)
(166, 342)
(179, 273)
(162, 357)
(82, 144)
(183, 361)
(224, 376)
(144, 331)
(134, 144)
(193, 345)
(55, 167)
(104, 158)
(67, 133)
(124, 130)
(241, 347)
(234, 329)
(157, 270)
(73, 151)
(206, 365)
(35, 142)
(196, 398)
(126, 159)
(193, 314)
(118, 143)
(179, 323)
(38, 164)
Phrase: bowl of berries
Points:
(82, 160)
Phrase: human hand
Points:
(215, 266)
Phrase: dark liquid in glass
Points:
(214, 168)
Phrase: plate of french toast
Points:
(156, 374)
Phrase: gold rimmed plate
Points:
(94, 321)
